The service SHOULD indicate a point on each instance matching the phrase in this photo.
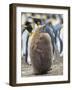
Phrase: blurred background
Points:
(30, 21)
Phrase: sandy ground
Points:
(56, 68)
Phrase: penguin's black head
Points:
(28, 26)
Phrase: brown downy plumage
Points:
(41, 52)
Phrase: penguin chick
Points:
(41, 52)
